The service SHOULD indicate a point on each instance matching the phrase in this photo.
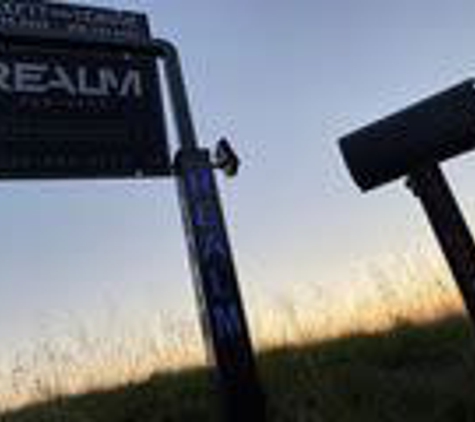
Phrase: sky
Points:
(283, 81)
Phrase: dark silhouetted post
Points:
(431, 187)
(221, 309)
(412, 143)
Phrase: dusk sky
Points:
(283, 80)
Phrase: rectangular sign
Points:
(79, 114)
(54, 19)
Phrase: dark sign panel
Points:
(79, 114)
(53, 19)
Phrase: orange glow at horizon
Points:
(383, 301)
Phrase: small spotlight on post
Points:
(226, 159)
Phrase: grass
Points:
(409, 373)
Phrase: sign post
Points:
(431, 187)
(222, 314)
(412, 143)
(80, 98)
(71, 109)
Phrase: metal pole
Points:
(221, 309)
(431, 187)
(178, 95)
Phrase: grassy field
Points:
(409, 373)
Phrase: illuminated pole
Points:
(221, 309)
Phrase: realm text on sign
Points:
(43, 78)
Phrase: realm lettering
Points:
(41, 78)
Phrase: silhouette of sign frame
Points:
(223, 317)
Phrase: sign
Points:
(431, 187)
(79, 114)
(71, 109)
(52, 19)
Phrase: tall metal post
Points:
(221, 309)
(431, 187)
